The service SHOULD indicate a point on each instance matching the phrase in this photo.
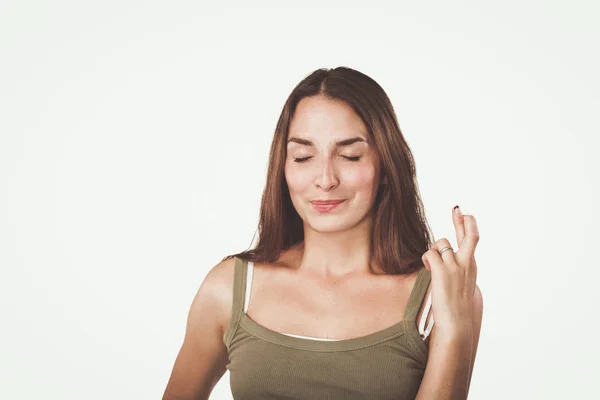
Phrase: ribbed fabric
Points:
(264, 364)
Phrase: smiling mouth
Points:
(326, 205)
(326, 202)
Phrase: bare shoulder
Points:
(202, 359)
(218, 287)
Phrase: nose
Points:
(326, 176)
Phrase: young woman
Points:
(337, 299)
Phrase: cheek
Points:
(361, 178)
(296, 180)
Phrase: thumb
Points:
(426, 261)
(432, 260)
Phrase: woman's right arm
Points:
(203, 357)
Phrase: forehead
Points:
(323, 120)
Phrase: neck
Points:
(336, 254)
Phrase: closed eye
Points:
(299, 160)
(303, 159)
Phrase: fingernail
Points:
(457, 210)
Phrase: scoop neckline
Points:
(393, 331)
(261, 331)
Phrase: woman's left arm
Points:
(457, 305)
(451, 359)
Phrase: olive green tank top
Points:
(265, 364)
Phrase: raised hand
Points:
(453, 278)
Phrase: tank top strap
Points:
(239, 293)
(417, 294)
(239, 287)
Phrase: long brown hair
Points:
(400, 232)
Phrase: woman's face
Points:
(329, 158)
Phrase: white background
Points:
(134, 140)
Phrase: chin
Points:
(324, 225)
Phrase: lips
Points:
(325, 206)
(326, 202)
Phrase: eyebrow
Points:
(345, 142)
